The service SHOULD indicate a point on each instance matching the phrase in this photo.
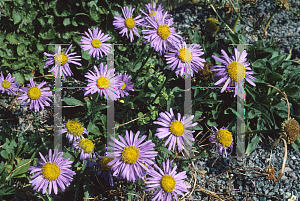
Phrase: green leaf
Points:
(275, 62)
(47, 34)
(62, 8)
(2, 165)
(197, 115)
(254, 94)
(204, 154)
(165, 150)
(95, 15)
(31, 15)
(93, 129)
(17, 16)
(22, 167)
(149, 137)
(4, 154)
(72, 101)
(234, 38)
(102, 10)
(12, 38)
(252, 145)
(274, 77)
(295, 147)
(122, 48)
(66, 21)
(7, 190)
(42, 21)
(2, 53)
(40, 46)
(85, 55)
(21, 49)
(19, 77)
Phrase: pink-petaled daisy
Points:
(35, 95)
(161, 34)
(221, 140)
(7, 84)
(95, 43)
(62, 58)
(151, 10)
(175, 129)
(104, 82)
(132, 157)
(126, 84)
(128, 23)
(180, 55)
(86, 147)
(102, 168)
(51, 171)
(74, 130)
(167, 181)
(233, 70)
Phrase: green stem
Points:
(235, 23)
(221, 18)
(97, 98)
(264, 131)
(144, 62)
(240, 15)
(268, 23)
(164, 84)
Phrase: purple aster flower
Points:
(95, 43)
(74, 130)
(103, 169)
(175, 129)
(160, 34)
(62, 58)
(51, 171)
(8, 85)
(35, 95)
(179, 55)
(221, 139)
(126, 84)
(127, 23)
(133, 157)
(104, 82)
(86, 147)
(168, 181)
(230, 69)
(151, 10)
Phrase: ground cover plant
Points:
(147, 86)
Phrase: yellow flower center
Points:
(163, 31)
(177, 128)
(74, 128)
(103, 163)
(5, 84)
(61, 58)
(103, 82)
(50, 171)
(123, 86)
(129, 23)
(168, 183)
(236, 71)
(34, 93)
(185, 55)
(87, 145)
(152, 15)
(96, 43)
(224, 137)
(130, 154)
